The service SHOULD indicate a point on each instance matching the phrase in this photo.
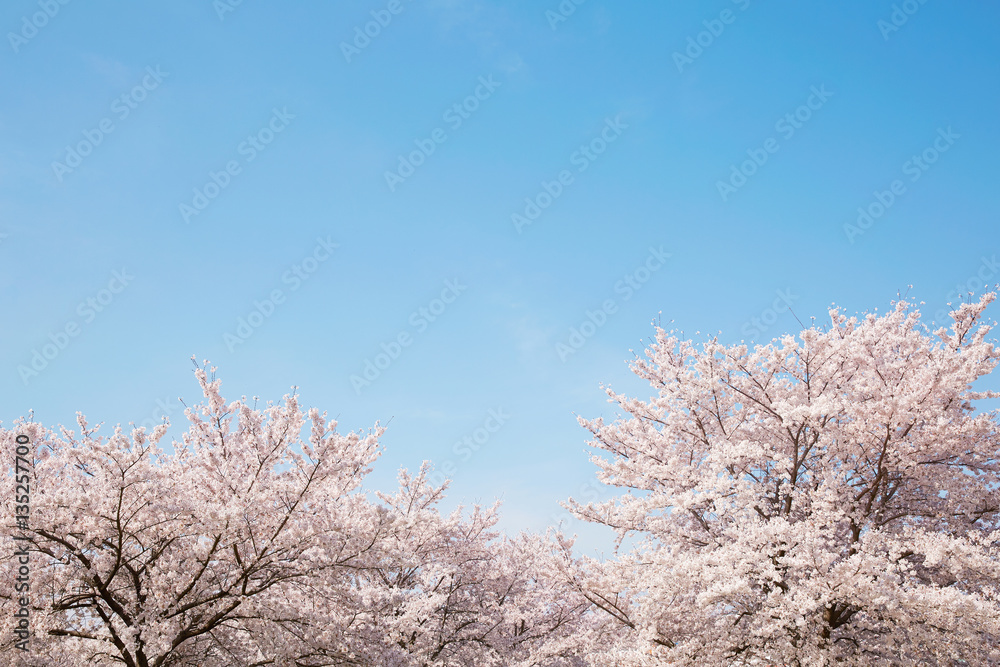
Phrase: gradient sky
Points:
(678, 125)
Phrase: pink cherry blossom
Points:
(829, 498)
(251, 544)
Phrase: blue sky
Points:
(180, 165)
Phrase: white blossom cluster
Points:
(821, 500)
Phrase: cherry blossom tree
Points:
(249, 544)
(453, 593)
(828, 498)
